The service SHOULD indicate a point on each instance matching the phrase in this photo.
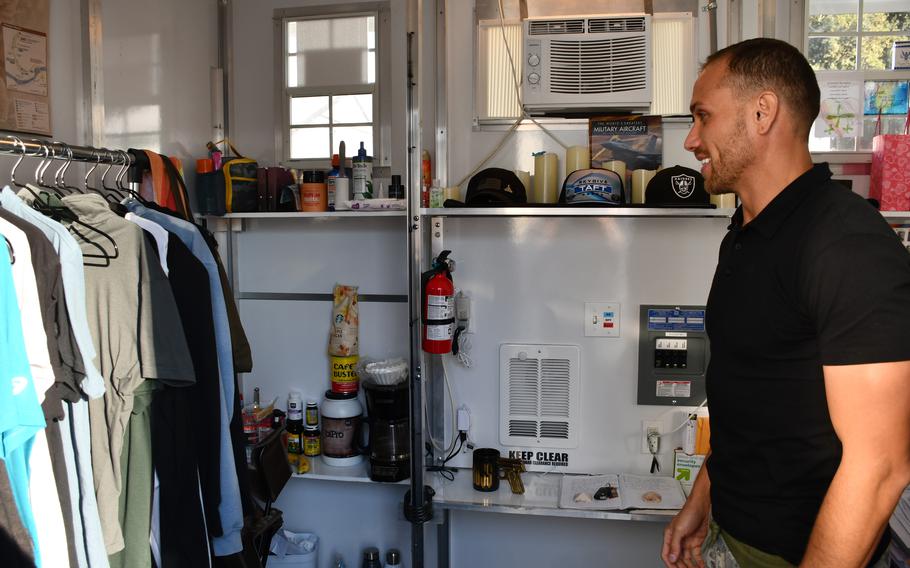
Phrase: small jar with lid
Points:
(312, 441)
(312, 414)
(313, 193)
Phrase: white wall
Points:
(156, 61)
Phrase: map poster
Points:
(25, 88)
(841, 105)
(25, 60)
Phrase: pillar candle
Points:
(546, 172)
(640, 179)
(577, 158)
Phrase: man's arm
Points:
(685, 534)
(870, 410)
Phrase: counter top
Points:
(541, 498)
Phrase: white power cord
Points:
(680, 427)
(464, 345)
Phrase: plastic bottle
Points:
(363, 174)
(330, 182)
(426, 178)
(294, 429)
(396, 190)
(689, 434)
(371, 558)
(393, 558)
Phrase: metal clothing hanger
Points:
(129, 190)
(12, 253)
(114, 189)
(60, 174)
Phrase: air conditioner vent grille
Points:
(615, 25)
(539, 390)
(598, 66)
(546, 27)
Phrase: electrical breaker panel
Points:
(673, 354)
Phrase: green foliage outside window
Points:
(838, 52)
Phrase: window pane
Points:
(833, 15)
(310, 110)
(292, 71)
(334, 51)
(352, 108)
(832, 53)
(292, 37)
(353, 136)
(877, 51)
(309, 143)
(886, 16)
(890, 125)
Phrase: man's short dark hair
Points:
(764, 63)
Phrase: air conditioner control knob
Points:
(534, 78)
(533, 60)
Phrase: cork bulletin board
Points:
(25, 90)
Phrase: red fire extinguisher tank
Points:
(438, 306)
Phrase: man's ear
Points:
(766, 111)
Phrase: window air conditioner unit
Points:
(586, 63)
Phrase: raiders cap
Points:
(678, 186)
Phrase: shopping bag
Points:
(889, 183)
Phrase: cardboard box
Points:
(686, 468)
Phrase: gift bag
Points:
(890, 179)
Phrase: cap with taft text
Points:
(592, 186)
(677, 186)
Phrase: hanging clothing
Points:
(73, 273)
(82, 489)
(138, 337)
(184, 424)
(50, 529)
(21, 417)
(230, 508)
(66, 362)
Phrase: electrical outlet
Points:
(648, 426)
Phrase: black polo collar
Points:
(769, 219)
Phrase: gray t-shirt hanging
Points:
(137, 334)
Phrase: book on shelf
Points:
(620, 491)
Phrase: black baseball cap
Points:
(495, 186)
(678, 186)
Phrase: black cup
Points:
(486, 469)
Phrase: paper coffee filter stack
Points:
(385, 372)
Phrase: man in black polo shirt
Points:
(809, 322)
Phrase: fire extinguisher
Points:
(438, 301)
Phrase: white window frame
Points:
(859, 34)
(857, 154)
(381, 108)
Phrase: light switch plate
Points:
(601, 319)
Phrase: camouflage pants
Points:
(716, 554)
(714, 551)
